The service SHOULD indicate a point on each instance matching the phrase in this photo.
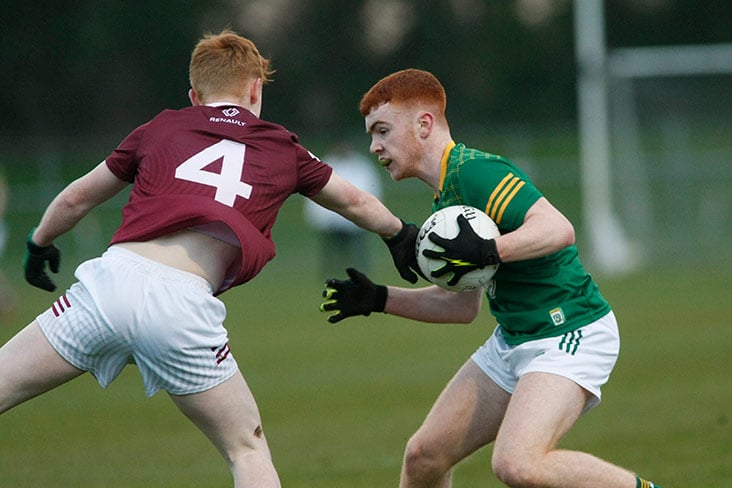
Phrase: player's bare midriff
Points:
(189, 251)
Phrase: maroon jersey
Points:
(201, 167)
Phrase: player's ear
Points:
(255, 96)
(193, 97)
(425, 121)
(255, 91)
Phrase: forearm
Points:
(369, 213)
(75, 201)
(360, 207)
(64, 212)
(433, 304)
(520, 246)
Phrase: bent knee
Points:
(516, 471)
(248, 455)
(424, 458)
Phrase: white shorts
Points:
(585, 356)
(127, 309)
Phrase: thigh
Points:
(227, 414)
(466, 415)
(29, 366)
(542, 409)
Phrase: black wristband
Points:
(380, 294)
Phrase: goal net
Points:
(671, 139)
(655, 148)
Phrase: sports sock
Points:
(641, 483)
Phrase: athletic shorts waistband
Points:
(159, 270)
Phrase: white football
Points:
(444, 223)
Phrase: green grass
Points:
(339, 401)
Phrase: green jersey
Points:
(532, 299)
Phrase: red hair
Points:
(409, 86)
(223, 64)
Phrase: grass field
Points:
(339, 401)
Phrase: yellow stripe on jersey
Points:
(495, 192)
(508, 200)
(502, 196)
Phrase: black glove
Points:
(355, 296)
(402, 250)
(463, 254)
(34, 263)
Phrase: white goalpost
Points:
(598, 69)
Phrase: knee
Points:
(516, 470)
(248, 457)
(254, 468)
(423, 460)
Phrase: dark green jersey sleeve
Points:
(490, 183)
(500, 189)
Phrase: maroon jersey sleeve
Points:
(123, 160)
(202, 165)
(311, 173)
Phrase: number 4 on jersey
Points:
(228, 182)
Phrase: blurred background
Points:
(77, 76)
(621, 112)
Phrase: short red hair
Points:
(223, 64)
(409, 86)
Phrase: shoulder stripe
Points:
(508, 200)
(496, 191)
(502, 196)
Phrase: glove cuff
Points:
(33, 248)
(489, 252)
(380, 294)
(399, 236)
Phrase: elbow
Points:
(467, 319)
(470, 305)
(355, 207)
(562, 233)
(472, 310)
(73, 201)
(568, 234)
(361, 200)
(70, 202)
